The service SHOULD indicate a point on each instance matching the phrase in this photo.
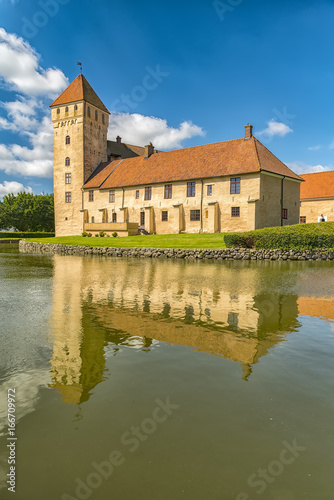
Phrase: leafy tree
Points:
(27, 212)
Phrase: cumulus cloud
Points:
(275, 129)
(300, 167)
(13, 187)
(20, 70)
(139, 129)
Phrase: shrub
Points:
(84, 234)
(300, 236)
(96, 235)
(102, 234)
(115, 234)
(89, 235)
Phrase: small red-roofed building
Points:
(110, 186)
(317, 197)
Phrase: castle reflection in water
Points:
(225, 310)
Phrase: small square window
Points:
(302, 219)
(209, 191)
(164, 215)
(91, 196)
(195, 215)
(284, 213)
(235, 211)
(112, 196)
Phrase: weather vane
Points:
(80, 64)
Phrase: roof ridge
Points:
(276, 158)
(257, 152)
(314, 173)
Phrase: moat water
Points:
(167, 380)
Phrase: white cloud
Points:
(331, 146)
(315, 148)
(275, 129)
(19, 68)
(13, 187)
(140, 130)
(300, 167)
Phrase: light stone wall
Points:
(87, 148)
(312, 209)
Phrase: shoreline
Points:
(181, 253)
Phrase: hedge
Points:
(300, 236)
(12, 235)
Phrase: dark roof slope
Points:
(234, 157)
(124, 150)
(80, 90)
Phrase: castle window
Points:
(137, 194)
(235, 212)
(88, 112)
(75, 109)
(112, 196)
(103, 119)
(68, 178)
(191, 189)
(96, 116)
(93, 220)
(58, 111)
(164, 215)
(168, 191)
(91, 196)
(68, 197)
(148, 193)
(66, 110)
(67, 140)
(142, 218)
(209, 191)
(67, 161)
(114, 217)
(302, 219)
(284, 213)
(195, 215)
(235, 185)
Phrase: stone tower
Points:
(80, 122)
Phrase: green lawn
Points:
(149, 241)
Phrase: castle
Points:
(102, 185)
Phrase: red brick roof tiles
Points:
(234, 157)
(318, 185)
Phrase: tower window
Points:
(66, 109)
(88, 111)
(67, 161)
(67, 140)
(75, 108)
(68, 178)
(103, 119)
(96, 116)
(91, 195)
(68, 197)
(58, 111)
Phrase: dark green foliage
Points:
(27, 212)
(11, 235)
(303, 236)
(115, 234)
(102, 234)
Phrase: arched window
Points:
(67, 140)
(66, 109)
(67, 161)
(88, 111)
(58, 111)
(75, 107)
(103, 119)
(96, 115)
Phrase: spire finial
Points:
(80, 64)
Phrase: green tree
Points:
(27, 212)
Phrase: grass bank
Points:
(149, 241)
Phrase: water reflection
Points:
(226, 311)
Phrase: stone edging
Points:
(221, 254)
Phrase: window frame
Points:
(148, 193)
(114, 217)
(195, 215)
(112, 195)
(164, 216)
(302, 221)
(209, 190)
(235, 211)
(68, 196)
(91, 195)
(67, 140)
(284, 213)
(168, 191)
(68, 178)
(67, 161)
(191, 189)
(235, 185)
(137, 194)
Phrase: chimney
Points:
(149, 150)
(119, 140)
(248, 132)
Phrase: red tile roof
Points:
(80, 90)
(234, 157)
(319, 185)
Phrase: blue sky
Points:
(217, 64)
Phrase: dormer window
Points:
(67, 161)
(67, 140)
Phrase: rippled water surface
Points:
(167, 380)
